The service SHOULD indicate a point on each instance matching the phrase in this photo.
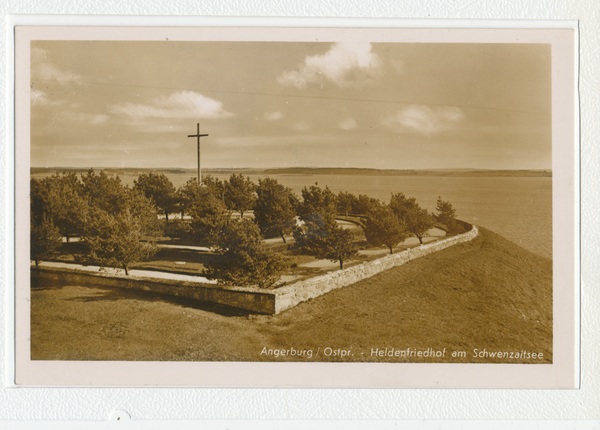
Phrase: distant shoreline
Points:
(309, 171)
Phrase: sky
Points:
(290, 104)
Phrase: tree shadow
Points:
(120, 294)
(104, 293)
(37, 284)
(188, 255)
(181, 241)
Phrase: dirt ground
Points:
(486, 294)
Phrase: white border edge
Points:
(305, 22)
(9, 275)
(577, 204)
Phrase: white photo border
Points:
(248, 22)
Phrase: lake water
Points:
(520, 209)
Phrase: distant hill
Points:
(307, 171)
(416, 172)
(141, 170)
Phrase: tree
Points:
(158, 188)
(274, 209)
(114, 240)
(417, 220)
(384, 228)
(137, 206)
(364, 204)
(320, 235)
(188, 194)
(447, 216)
(317, 201)
(346, 202)
(240, 193)
(210, 218)
(215, 186)
(325, 239)
(143, 209)
(244, 260)
(420, 222)
(58, 198)
(104, 192)
(402, 206)
(45, 239)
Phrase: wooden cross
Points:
(198, 135)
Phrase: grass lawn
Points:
(487, 293)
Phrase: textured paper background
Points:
(26, 403)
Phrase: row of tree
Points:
(311, 220)
(237, 193)
(276, 207)
(390, 224)
(112, 220)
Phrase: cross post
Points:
(198, 135)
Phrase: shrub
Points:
(178, 228)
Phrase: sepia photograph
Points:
(364, 198)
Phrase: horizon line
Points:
(281, 168)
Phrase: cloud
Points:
(347, 124)
(40, 98)
(67, 117)
(96, 119)
(424, 119)
(345, 64)
(271, 140)
(43, 69)
(301, 126)
(182, 104)
(145, 127)
(273, 116)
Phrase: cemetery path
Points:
(432, 235)
(132, 272)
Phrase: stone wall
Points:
(290, 296)
(250, 299)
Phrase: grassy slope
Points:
(488, 293)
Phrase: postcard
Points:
(300, 207)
